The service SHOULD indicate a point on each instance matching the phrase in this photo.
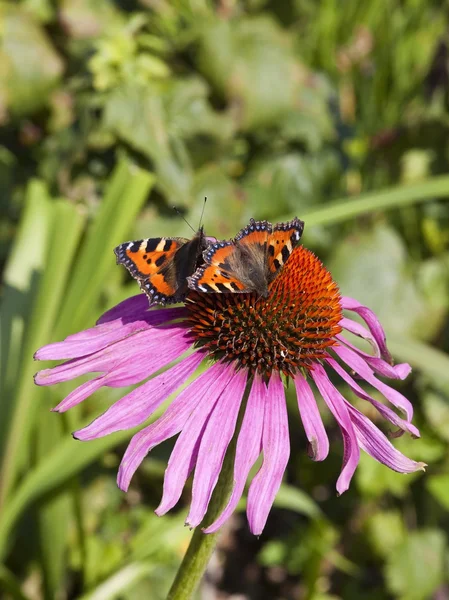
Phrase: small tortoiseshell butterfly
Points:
(249, 262)
(162, 265)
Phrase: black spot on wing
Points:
(285, 253)
(222, 287)
(205, 287)
(152, 244)
(160, 261)
(168, 244)
(135, 246)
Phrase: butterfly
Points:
(249, 262)
(162, 265)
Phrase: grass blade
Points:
(404, 195)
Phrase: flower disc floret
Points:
(288, 331)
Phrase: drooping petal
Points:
(371, 320)
(337, 406)
(249, 447)
(385, 411)
(378, 365)
(161, 346)
(80, 393)
(135, 408)
(127, 309)
(355, 362)
(171, 423)
(184, 454)
(311, 419)
(214, 443)
(377, 445)
(360, 331)
(276, 451)
(99, 337)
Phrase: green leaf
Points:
(55, 510)
(373, 268)
(21, 276)
(66, 459)
(416, 569)
(10, 584)
(250, 61)
(295, 499)
(137, 115)
(386, 531)
(116, 585)
(431, 361)
(436, 409)
(31, 66)
(387, 199)
(438, 486)
(285, 178)
(126, 193)
(63, 236)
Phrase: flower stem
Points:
(202, 544)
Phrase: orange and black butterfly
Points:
(162, 265)
(249, 262)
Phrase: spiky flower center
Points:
(287, 331)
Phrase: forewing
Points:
(281, 244)
(144, 258)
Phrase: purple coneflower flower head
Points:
(244, 342)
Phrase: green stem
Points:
(202, 544)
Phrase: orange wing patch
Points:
(159, 283)
(146, 257)
(282, 242)
(213, 279)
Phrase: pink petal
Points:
(379, 366)
(127, 309)
(276, 451)
(249, 446)
(142, 353)
(135, 408)
(80, 393)
(184, 453)
(171, 423)
(311, 419)
(337, 406)
(214, 443)
(99, 337)
(376, 444)
(371, 320)
(355, 362)
(360, 331)
(386, 412)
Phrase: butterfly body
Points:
(162, 265)
(249, 262)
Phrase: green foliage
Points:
(113, 112)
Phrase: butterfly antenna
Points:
(202, 212)
(178, 212)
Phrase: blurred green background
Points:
(111, 112)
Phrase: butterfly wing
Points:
(237, 265)
(281, 243)
(151, 262)
(217, 275)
